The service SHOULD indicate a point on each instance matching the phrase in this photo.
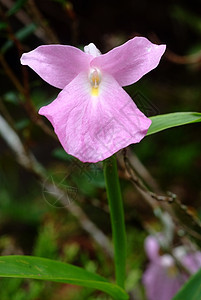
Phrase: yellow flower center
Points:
(95, 79)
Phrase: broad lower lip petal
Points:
(94, 128)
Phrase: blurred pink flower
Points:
(93, 116)
(162, 278)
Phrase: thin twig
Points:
(6, 114)
(139, 183)
(178, 59)
(154, 200)
(39, 19)
(74, 23)
(140, 169)
(28, 105)
(22, 89)
(175, 210)
(11, 75)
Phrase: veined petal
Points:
(93, 127)
(130, 61)
(57, 64)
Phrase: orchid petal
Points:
(152, 248)
(92, 50)
(130, 61)
(192, 261)
(158, 285)
(57, 64)
(93, 128)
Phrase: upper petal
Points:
(152, 247)
(130, 61)
(92, 50)
(93, 128)
(57, 64)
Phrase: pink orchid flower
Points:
(93, 116)
(163, 278)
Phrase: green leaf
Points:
(20, 35)
(162, 122)
(191, 289)
(19, 266)
(61, 154)
(17, 5)
(3, 25)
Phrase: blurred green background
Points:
(32, 221)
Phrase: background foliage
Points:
(32, 220)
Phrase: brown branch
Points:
(140, 184)
(28, 105)
(142, 171)
(39, 19)
(175, 58)
(11, 75)
(179, 212)
(156, 200)
(6, 114)
(183, 60)
(74, 22)
(23, 89)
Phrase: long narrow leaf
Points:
(17, 266)
(191, 289)
(162, 122)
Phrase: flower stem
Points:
(117, 218)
